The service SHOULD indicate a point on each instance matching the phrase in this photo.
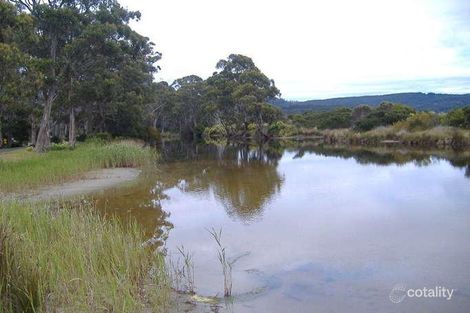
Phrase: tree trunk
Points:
(33, 132)
(72, 128)
(1, 135)
(43, 140)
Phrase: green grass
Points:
(64, 257)
(59, 259)
(30, 170)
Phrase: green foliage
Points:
(238, 92)
(338, 118)
(59, 146)
(282, 129)
(58, 166)
(458, 117)
(385, 114)
(103, 137)
(419, 121)
(215, 132)
(65, 257)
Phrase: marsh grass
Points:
(72, 260)
(34, 170)
(440, 136)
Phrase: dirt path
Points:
(93, 181)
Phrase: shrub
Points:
(282, 129)
(214, 132)
(384, 115)
(419, 121)
(103, 136)
(458, 117)
(59, 146)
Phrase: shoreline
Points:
(92, 182)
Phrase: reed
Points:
(224, 261)
(59, 259)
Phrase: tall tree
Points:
(18, 72)
(239, 91)
(89, 44)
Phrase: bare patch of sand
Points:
(92, 182)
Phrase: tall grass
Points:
(440, 136)
(71, 260)
(58, 166)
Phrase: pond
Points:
(312, 228)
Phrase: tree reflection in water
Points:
(243, 178)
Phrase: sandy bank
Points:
(93, 181)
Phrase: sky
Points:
(317, 49)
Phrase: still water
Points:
(314, 228)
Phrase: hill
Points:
(418, 100)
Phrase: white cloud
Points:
(313, 49)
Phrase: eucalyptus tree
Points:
(239, 92)
(190, 97)
(113, 73)
(89, 43)
(19, 74)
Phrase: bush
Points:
(59, 146)
(384, 115)
(106, 137)
(418, 121)
(215, 132)
(153, 134)
(282, 129)
(458, 117)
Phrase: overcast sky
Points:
(317, 49)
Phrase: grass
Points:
(64, 257)
(439, 137)
(59, 259)
(27, 170)
(224, 262)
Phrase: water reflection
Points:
(323, 228)
(243, 178)
(383, 155)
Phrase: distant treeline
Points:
(364, 118)
(419, 101)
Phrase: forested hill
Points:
(418, 100)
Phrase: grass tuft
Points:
(72, 260)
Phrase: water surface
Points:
(317, 228)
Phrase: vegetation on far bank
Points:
(32, 170)
(59, 258)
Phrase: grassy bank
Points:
(437, 137)
(71, 260)
(64, 257)
(28, 170)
